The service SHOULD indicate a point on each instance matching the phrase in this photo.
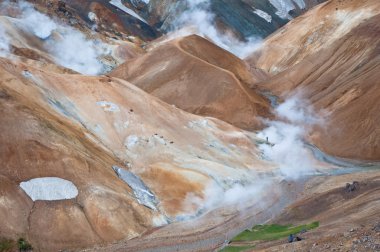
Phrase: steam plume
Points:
(238, 195)
(68, 46)
(200, 20)
(285, 148)
(286, 145)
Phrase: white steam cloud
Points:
(39, 24)
(197, 19)
(285, 148)
(285, 144)
(237, 195)
(74, 51)
(69, 47)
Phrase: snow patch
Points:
(301, 4)
(263, 15)
(283, 7)
(138, 2)
(49, 188)
(121, 6)
(108, 106)
(142, 193)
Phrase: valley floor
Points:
(348, 220)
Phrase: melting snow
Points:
(263, 14)
(108, 106)
(301, 4)
(142, 193)
(283, 7)
(49, 188)
(122, 7)
(137, 2)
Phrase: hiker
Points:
(290, 238)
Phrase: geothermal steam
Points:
(68, 46)
(285, 148)
(286, 145)
(199, 20)
(238, 195)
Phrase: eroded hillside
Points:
(333, 61)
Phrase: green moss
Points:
(236, 248)
(6, 245)
(272, 232)
(23, 245)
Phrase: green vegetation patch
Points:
(236, 248)
(272, 232)
(6, 245)
(23, 245)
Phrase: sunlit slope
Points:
(331, 57)
(78, 128)
(199, 77)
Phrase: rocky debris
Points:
(294, 238)
(377, 228)
(363, 239)
(64, 11)
(352, 187)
